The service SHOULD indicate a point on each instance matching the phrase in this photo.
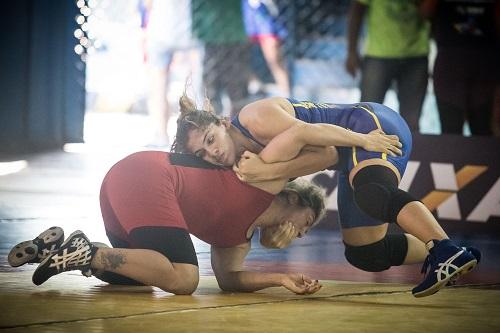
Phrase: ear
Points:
(293, 198)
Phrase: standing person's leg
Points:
(451, 117)
(263, 25)
(236, 75)
(159, 61)
(211, 76)
(481, 90)
(412, 87)
(480, 109)
(271, 48)
(376, 78)
(450, 90)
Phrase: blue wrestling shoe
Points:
(75, 253)
(476, 253)
(444, 264)
(36, 250)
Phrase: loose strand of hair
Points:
(186, 104)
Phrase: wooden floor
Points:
(61, 189)
(72, 303)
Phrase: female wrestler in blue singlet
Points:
(368, 143)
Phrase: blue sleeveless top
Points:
(359, 117)
(236, 123)
(326, 113)
(309, 112)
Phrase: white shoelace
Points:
(79, 257)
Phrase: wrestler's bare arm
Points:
(227, 264)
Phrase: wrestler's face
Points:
(294, 225)
(213, 144)
(301, 218)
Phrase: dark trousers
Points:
(410, 76)
(226, 68)
(464, 84)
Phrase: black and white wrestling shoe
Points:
(75, 253)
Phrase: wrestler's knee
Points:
(184, 281)
(377, 194)
(379, 256)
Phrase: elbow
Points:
(225, 284)
(331, 155)
(227, 287)
(326, 156)
(231, 284)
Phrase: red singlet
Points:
(146, 189)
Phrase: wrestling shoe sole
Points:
(28, 251)
(464, 269)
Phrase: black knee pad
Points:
(377, 194)
(379, 256)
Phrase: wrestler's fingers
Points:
(248, 154)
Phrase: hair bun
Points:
(186, 104)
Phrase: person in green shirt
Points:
(218, 24)
(396, 49)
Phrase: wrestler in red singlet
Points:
(158, 189)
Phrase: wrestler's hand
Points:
(300, 284)
(378, 141)
(251, 168)
(278, 236)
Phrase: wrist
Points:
(280, 279)
(277, 171)
(273, 279)
(360, 139)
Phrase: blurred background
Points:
(143, 51)
(110, 72)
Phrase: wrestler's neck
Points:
(273, 215)
(242, 142)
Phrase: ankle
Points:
(96, 255)
(433, 242)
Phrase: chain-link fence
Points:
(234, 51)
(245, 47)
(281, 47)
